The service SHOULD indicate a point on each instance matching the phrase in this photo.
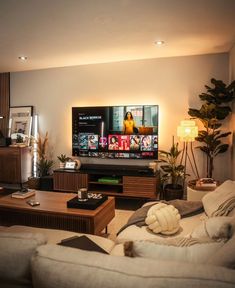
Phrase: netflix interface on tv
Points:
(127, 132)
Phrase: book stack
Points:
(23, 194)
(206, 184)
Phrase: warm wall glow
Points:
(187, 131)
(35, 135)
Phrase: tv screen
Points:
(118, 132)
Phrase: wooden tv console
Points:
(132, 181)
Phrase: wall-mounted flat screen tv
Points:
(117, 132)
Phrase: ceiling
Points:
(58, 33)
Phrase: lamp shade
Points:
(187, 130)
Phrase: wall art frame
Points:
(20, 124)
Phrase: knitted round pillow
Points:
(163, 218)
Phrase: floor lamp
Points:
(188, 131)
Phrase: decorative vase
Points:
(78, 164)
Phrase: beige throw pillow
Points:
(221, 201)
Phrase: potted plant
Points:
(211, 114)
(63, 158)
(44, 165)
(173, 173)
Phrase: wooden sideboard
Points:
(129, 185)
(15, 164)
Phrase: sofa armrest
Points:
(16, 250)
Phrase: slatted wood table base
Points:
(76, 220)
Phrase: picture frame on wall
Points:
(20, 124)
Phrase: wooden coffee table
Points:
(53, 213)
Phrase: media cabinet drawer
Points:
(70, 182)
(140, 186)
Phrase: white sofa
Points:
(29, 257)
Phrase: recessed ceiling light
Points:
(23, 58)
(159, 42)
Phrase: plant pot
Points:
(46, 183)
(34, 183)
(62, 165)
(171, 192)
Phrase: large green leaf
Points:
(208, 98)
(204, 149)
(223, 135)
(221, 149)
(231, 88)
(222, 112)
(195, 113)
(220, 93)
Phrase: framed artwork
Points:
(20, 124)
(70, 165)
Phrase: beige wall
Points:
(232, 77)
(173, 83)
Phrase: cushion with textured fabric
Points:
(221, 201)
(16, 250)
(163, 218)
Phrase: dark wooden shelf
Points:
(109, 184)
(110, 192)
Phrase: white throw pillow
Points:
(163, 218)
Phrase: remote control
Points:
(33, 203)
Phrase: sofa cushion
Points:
(55, 236)
(225, 256)
(215, 228)
(221, 201)
(62, 267)
(16, 250)
(181, 249)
